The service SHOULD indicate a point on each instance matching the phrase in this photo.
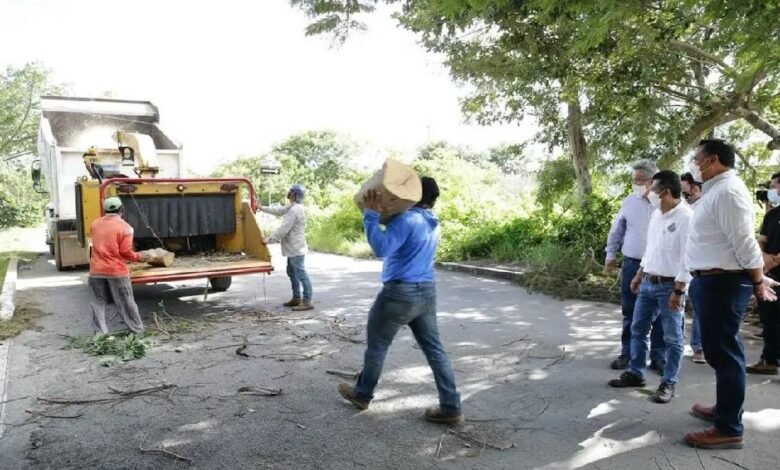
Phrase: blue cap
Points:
(299, 191)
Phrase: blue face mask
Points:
(773, 196)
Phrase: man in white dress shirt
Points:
(661, 283)
(725, 259)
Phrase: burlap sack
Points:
(398, 184)
(159, 257)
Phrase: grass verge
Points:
(23, 318)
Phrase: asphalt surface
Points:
(532, 372)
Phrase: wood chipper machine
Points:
(91, 149)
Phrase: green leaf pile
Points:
(113, 348)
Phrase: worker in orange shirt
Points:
(109, 276)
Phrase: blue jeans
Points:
(296, 270)
(627, 302)
(721, 301)
(695, 331)
(412, 304)
(653, 305)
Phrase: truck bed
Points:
(199, 266)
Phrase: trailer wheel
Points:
(220, 284)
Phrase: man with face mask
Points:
(691, 191)
(769, 241)
(661, 283)
(629, 233)
(725, 259)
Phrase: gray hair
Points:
(646, 167)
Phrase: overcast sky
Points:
(233, 77)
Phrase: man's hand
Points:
(144, 256)
(635, 283)
(765, 291)
(770, 261)
(610, 265)
(676, 302)
(373, 200)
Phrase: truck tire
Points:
(56, 251)
(220, 284)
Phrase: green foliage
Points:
(20, 206)
(113, 348)
(20, 89)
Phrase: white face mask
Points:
(654, 198)
(696, 172)
(639, 189)
(774, 197)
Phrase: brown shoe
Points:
(762, 368)
(706, 413)
(698, 357)
(292, 303)
(304, 306)
(711, 438)
(346, 391)
(436, 415)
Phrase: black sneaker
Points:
(657, 367)
(664, 394)
(621, 363)
(628, 379)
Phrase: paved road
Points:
(532, 372)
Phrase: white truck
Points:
(69, 126)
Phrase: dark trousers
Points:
(770, 319)
(627, 302)
(721, 301)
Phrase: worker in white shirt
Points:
(661, 284)
(724, 257)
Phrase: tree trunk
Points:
(762, 125)
(578, 148)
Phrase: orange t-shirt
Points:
(112, 246)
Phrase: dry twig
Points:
(44, 415)
(281, 357)
(515, 341)
(730, 461)
(124, 395)
(343, 374)
(438, 448)
(260, 391)
(483, 443)
(167, 453)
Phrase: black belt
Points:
(653, 279)
(717, 272)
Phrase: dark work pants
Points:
(770, 319)
(721, 301)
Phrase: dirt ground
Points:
(532, 372)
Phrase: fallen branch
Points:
(241, 350)
(663, 449)
(515, 341)
(698, 456)
(343, 374)
(730, 461)
(44, 415)
(297, 424)
(282, 376)
(158, 324)
(233, 345)
(167, 453)
(13, 399)
(483, 443)
(438, 448)
(124, 395)
(260, 391)
(292, 356)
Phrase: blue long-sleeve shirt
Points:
(408, 244)
(629, 230)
